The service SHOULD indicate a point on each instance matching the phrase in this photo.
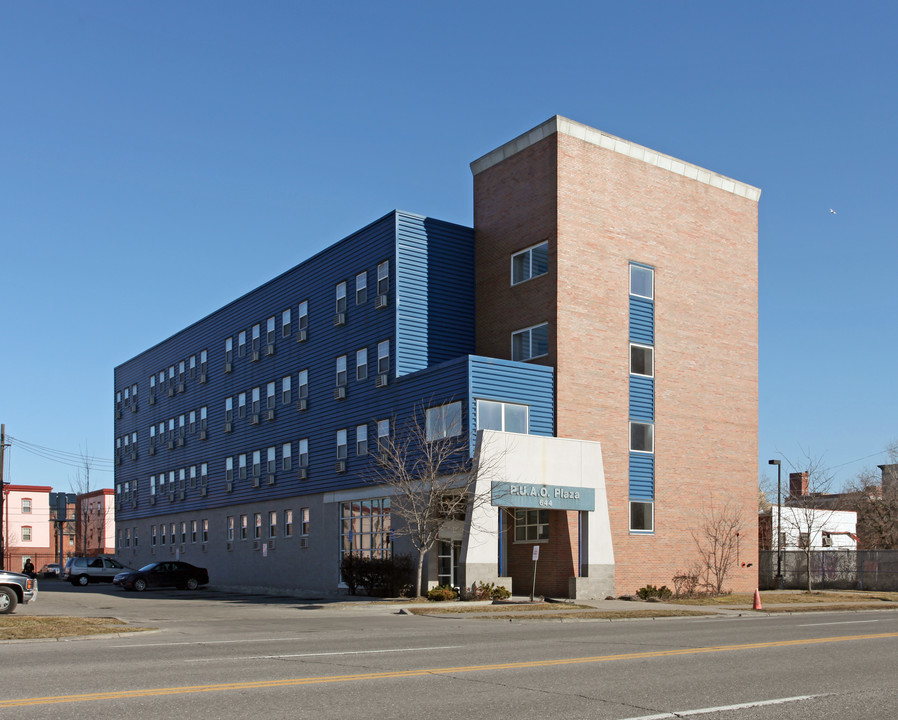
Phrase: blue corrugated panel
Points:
(642, 398)
(516, 382)
(365, 326)
(642, 476)
(435, 286)
(642, 321)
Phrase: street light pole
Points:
(779, 526)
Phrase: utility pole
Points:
(2, 496)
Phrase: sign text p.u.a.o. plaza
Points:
(555, 497)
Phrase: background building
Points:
(26, 526)
(594, 337)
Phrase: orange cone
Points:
(757, 604)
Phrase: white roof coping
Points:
(563, 125)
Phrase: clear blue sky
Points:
(159, 159)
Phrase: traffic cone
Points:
(757, 603)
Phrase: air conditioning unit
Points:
(133, 455)
(340, 393)
(202, 434)
(180, 442)
(303, 543)
(340, 319)
(133, 407)
(229, 367)
(229, 546)
(118, 414)
(271, 479)
(180, 494)
(228, 427)
(271, 544)
(380, 302)
(304, 473)
(382, 380)
(118, 459)
(302, 404)
(153, 551)
(151, 450)
(269, 349)
(229, 487)
(203, 378)
(383, 458)
(203, 491)
(171, 497)
(152, 499)
(152, 399)
(255, 481)
(181, 387)
(171, 390)
(171, 549)
(256, 356)
(134, 505)
(256, 545)
(255, 419)
(302, 335)
(269, 414)
(340, 467)
(203, 547)
(171, 444)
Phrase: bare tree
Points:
(875, 499)
(428, 467)
(716, 539)
(811, 509)
(86, 522)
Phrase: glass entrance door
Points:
(448, 555)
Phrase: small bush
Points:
(685, 583)
(650, 591)
(485, 591)
(442, 593)
(383, 577)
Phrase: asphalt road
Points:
(215, 655)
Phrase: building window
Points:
(230, 529)
(286, 394)
(204, 474)
(531, 525)
(272, 524)
(507, 417)
(529, 343)
(192, 366)
(303, 320)
(383, 435)
(443, 421)
(257, 333)
(642, 437)
(229, 349)
(530, 263)
(193, 534)
(642, 281)
(341, 371)
(162, 533)
(192, 475)
(205, 527)
(241, 343)
(271, 454)
(257, 463)
(244, 527)
(642, 360)
(270, 326)
(26, 506)
(183, 532)
(303, 385)
(286, 456)
(241, 405)
(26, 533)
(257, 400)
(361, 288)
(153, 535)
(241, 466)
(341, 297)
(270, 395)
(383, 278)
(304, 521)
(288, 523)
(361, 364)
(361, 440)
(285, 323)
(341, 444)
(383, 357)
(229, 469)
(303, 456)
(257, 526)
(642, 516)
(365, 528)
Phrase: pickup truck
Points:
(15, 588)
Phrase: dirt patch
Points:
(32, 628)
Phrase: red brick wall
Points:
(702, 241)
(558, 557)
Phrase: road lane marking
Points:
(206, 642)
(395, 674)
(322, 654)
(843, 622)
(725, 708)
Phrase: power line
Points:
(63, 457)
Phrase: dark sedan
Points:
(181, 575)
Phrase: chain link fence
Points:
(830, 569)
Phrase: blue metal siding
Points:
(642, 321)
(515, 382)
(642, 476)
(642, 398)
(435, 287)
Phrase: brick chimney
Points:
(889, 477)
(798, 484)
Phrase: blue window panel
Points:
(435, 290)
(642, 476)
(642, 398)
(642, 321)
